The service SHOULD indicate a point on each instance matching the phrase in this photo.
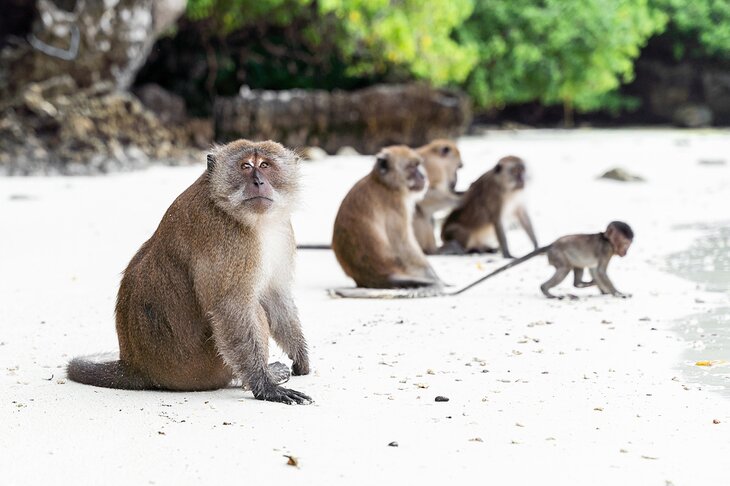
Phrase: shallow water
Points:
(707, 262)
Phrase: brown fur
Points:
(199, 300)
(483, 209)
(373, 236)
(442, 160)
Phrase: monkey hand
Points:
(275, 393)
(299, 368)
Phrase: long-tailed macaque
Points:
(442, 160)
(576, 253)
(199, 300)
(373, 237)
(491, 199)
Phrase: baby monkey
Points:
(578, 252)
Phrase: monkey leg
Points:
(279, 372)
(286, 328)
(502, 238)
(526, 224)
(560, 274)
(578, 279)
(241, 335)
(452, 247)
(605, 284)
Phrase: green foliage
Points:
(409, 33)
(570, 52)
(703, 22)
(229, 15)
(555, 51)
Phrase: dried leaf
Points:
(291, 461)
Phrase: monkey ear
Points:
(381, 162)
(498, 168)
(211, 162)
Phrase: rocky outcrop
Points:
(92, 130)
(366, 120)
(64, 107)
(91, 41)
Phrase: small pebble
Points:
(441, 399)
(393, 444)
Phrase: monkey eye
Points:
(445, 150)
(263, 165)
(246, 166)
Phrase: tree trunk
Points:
(92, 41)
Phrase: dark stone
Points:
(716, 86)
(693, 115)
(169, 107)
(441, 399)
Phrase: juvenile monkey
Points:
(442, 160)
(578, 252)
(491, 199)
(199, 300)
(373, 237)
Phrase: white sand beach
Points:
(585, 392)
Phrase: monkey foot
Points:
(275, 393)
(299, 369)
(279, 372)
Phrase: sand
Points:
(540, 392)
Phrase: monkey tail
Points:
(363, 293)
(314, 247)
(91, 370)
(511, 264)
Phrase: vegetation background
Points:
(574, 55)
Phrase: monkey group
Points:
(386, 225)
(199, 301)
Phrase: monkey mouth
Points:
(258, 198)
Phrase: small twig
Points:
(65, 54)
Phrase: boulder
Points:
(621, 175)
(366, 120)
(92, 42)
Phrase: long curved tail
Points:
(314, 247)
(364, 293)
(90, 370)
(511, 264)
(421, 292)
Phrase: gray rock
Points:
(314, 153)
(693, 115)
(347, 151)
(619, 174)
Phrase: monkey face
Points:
(621, 236)
(442, 160)
(511, 170)
(399, 168)
(256, 178)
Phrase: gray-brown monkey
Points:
(373, 237)
(576, 253)
(199, 300)
(442, 160)
(492, 198)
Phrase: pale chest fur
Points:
(511, 204)
(275, 255)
